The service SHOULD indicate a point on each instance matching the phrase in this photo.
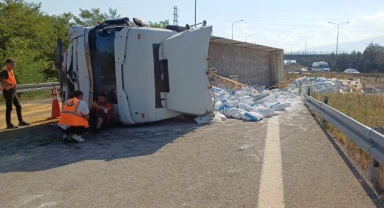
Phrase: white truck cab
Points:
(149, 74)
(320, 66)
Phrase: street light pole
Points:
(290, 61)
(232, 26)
(248, 36)
(337, 39)
(195, 13)
(306, 38)
(291, 47)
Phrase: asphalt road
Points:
(285, 161)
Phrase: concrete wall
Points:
(277, 66)
(253, 66)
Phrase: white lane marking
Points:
(271, 191)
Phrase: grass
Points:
(367, 109)
(338, 75)
(30, 96)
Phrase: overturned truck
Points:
(149, 74)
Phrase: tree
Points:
(342, 62)
(352, 60)
(161, 24)
(371, 57)
(26, 35)
(91, 17)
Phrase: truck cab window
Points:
(103, 62)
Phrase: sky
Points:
(275, 23)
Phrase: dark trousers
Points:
(79, 130)
(10, 97)
(95, 116)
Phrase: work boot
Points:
(67, 137)
(96, 130)
(23, 123)
(77, 138)
(11, 126)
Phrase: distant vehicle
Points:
(320, 66)
(351, 71)
(303, 69)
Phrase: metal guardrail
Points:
(36, 87)
(366, 138)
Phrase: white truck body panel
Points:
(125, 113)
(187, 66)
(154, 74)
(139, 75)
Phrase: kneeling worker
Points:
(101, 113)
(74, 117)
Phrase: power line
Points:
(265, 17)
(294, 25)
(288, 18)
(218, 26)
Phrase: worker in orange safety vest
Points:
(8, 85)
(74, 117)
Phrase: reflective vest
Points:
(70, 114)
(11, 80)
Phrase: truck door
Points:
(183, 56)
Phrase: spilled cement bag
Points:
(281, 106)
(235, 113)
(253, 116)
(220, 115)
(266, 112)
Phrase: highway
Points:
(284, 161)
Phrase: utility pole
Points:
(195, 13)
(337, 39)
(291, 47)
(232, 26)
(175, 16)
(291, 51)
(306, 38)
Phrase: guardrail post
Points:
(325, 101)
(309, 91)
(374, 171)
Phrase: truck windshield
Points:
(101, 44)
(324, 66)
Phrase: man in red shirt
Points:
(101, 113)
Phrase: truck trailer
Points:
(149, 74)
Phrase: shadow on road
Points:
(364, 184)
(42, 147)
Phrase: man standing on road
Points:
(101, 113)
(8, 83)
(74, 117)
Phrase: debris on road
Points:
(326, 85)
(248, 104)
(254, 104)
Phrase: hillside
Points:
(348, 46)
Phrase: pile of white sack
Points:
(321, 85)
(248, 104)
(254, 104)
